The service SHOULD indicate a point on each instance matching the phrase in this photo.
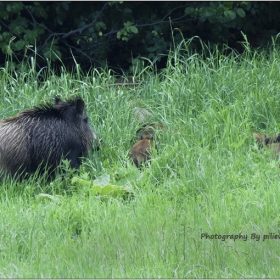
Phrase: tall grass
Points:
(208, 175)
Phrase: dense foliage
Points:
(120, 34)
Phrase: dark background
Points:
(118, 35)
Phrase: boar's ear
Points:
(80, 106)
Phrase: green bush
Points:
(120, 34)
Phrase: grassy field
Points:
(203, 207)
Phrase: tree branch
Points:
(80, 30)
(34, 21)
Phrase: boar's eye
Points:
(86, 119)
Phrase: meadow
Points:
(197, 211)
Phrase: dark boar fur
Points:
(43, 136)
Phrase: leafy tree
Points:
(94, 34)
